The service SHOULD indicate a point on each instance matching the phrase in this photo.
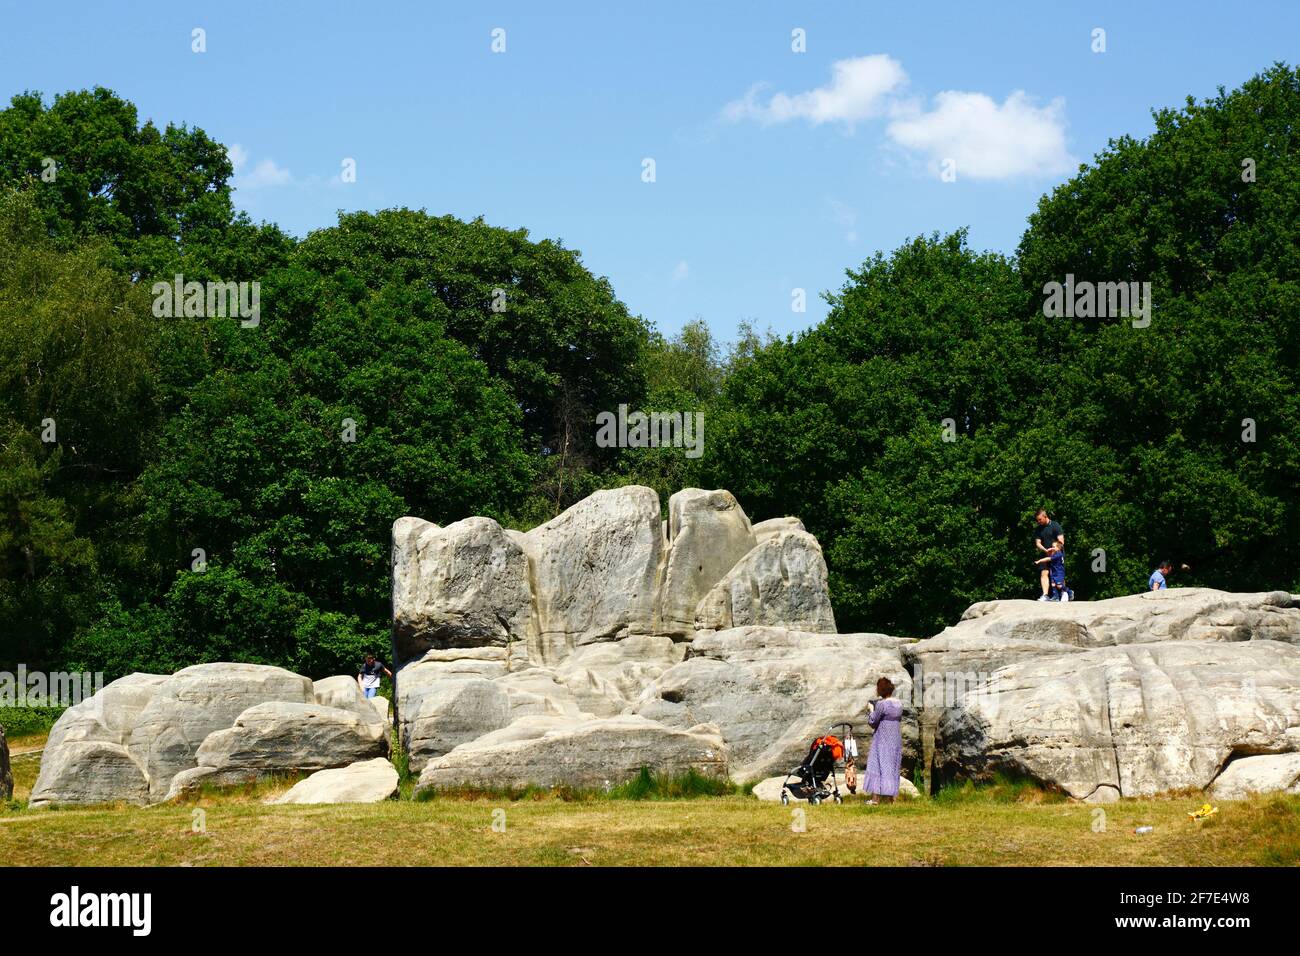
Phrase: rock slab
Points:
(369, 781)
(591, 754)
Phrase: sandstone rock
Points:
(198, 701)
(442, 714)
(595, 571)
(538, 692)
(380, 704)
(104, 721)
(780, 583)
(282, 737)
(370, 781)
(708, 533)
(1175, 614)
(89, 772)
(6, 775)
(108, 716)
(604, 679)
(1126, 721)
(944, 667)
(554, 751)
(1268, 773)
(465, 585)
(774, 526)
(771, 691)
(344, 692)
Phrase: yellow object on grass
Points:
(1205, 811)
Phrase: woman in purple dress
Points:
(886, 756)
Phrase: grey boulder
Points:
(1266, 773)
(1127, 721)
(558, 751)
(1174, 614)
(285, 737)
(774, 526)
(772, 691)
(464, 585)
(780, 583)
(708, 533)
(86, 760)
(369, 781)
(198, 701)
(595, 571)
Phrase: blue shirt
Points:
(1156, 581)
(1057, 566)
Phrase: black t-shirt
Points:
(372, 669)
(1048, 533)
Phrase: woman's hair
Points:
(884, 687)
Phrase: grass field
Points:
(1006, 824)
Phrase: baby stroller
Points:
(816, 767)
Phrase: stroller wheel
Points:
(785, 798)
(838, 798)
(814, 800)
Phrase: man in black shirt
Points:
(1047, 534)
(369, 675)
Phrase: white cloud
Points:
(266, 173)
(858, 90)
(681, 271)
(985, 140)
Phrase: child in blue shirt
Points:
(1055, 560)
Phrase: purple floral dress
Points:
(886, 756)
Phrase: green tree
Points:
(78, 409)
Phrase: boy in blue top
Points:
(1055, 561)
(1158, 579)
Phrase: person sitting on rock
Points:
(886, 755)
(369, 675)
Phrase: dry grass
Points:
(969, 829)
(1008, 823)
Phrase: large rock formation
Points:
(771, 691)
(1130, 720)
(1175, 614)
(213, 723)
(278, 736)
(609, 639)
(613, 596)
(1267, 773)
(198, 701)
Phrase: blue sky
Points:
(774, 170)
